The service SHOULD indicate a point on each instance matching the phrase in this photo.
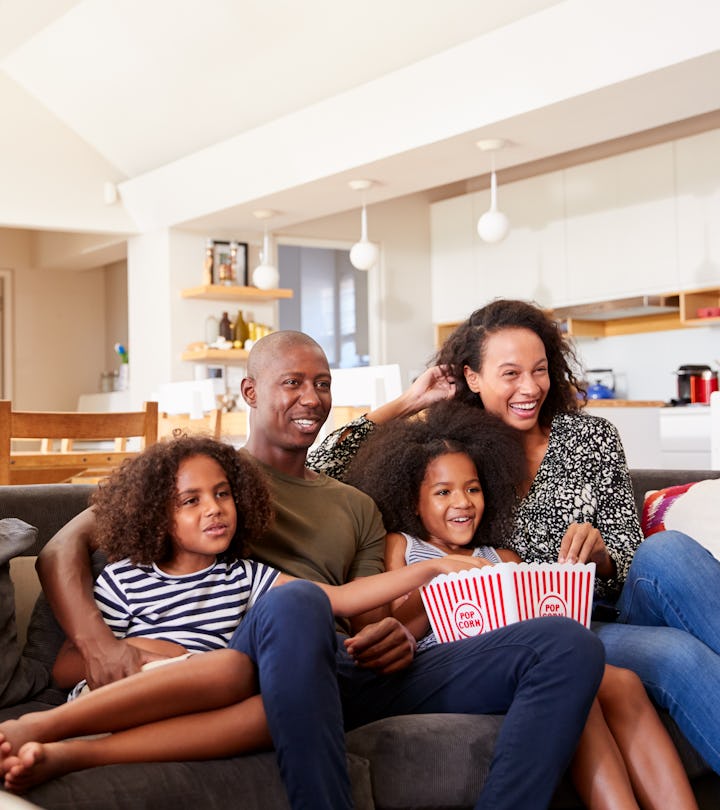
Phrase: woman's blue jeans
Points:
(541, 674)
(668, 632)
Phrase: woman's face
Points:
(513, 380)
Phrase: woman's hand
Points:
(583, 543)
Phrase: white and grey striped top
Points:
(201, 611)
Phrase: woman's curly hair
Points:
(134, 508)
(391, 465)
(466, 347)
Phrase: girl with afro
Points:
(174, 521)
(446, 482)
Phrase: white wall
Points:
(644, 364)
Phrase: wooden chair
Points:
(49, 465)
(209, 424)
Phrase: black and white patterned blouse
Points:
(582, 478)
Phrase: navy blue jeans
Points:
(669, 633)
(542, 674)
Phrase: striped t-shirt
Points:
(201, 611)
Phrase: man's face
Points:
(291, 397)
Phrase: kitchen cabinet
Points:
(200, 353)
(698, 208)
(620, 225)
(530, 262)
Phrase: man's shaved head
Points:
(269, 348)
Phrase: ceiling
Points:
(202, 111)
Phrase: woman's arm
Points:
(64, 570)
(365, 593)
(335, 453)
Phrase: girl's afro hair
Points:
(134, 508)
(391, 465)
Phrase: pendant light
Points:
(265, 276)
(493, 225)
(363, 254)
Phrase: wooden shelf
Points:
(221, 357)
(233, 292)
(687, 302)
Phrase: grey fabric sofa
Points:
(434, 762)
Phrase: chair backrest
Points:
(209, 424)
(48, 465)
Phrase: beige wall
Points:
(59, 328)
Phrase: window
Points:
(330, 302)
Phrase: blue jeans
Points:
(542, 674)
(668, 632)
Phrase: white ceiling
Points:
(204, 110)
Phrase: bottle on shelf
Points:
(208, 263)
(240, 332)
(224, 329)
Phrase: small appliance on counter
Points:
(695, 383)
(601, 383)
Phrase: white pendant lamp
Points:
(363, 254)
(493, 225)
(265, 276)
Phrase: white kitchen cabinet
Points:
(698, 209)
(530, 262)
(639, 431)
(620, 225)
(685, 437)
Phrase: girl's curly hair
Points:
(391, 465)
(466, 347)
(134, 507)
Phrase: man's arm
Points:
(65, 573)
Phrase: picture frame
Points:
(221, 255)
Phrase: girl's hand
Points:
(461, 562)
(583, 543)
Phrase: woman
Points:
(577, 505)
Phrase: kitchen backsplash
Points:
(644, 364)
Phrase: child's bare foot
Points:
(13, 733)
(34, 764)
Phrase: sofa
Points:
(434, 762)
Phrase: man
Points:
(542, 674)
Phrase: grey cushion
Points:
(251, 783)
(19, 678)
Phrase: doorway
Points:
(330, 302)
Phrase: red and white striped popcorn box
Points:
(464, 604)
(553, 589)
(471, 602)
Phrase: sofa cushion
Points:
(251, 782)
(691, 508)
(19, 678)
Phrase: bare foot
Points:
(34, 764)
(13, 733)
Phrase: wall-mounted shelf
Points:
(220, 357)
(685, 305)
(231, 292)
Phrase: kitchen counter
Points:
(624, 403)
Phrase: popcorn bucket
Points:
(465, 604)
